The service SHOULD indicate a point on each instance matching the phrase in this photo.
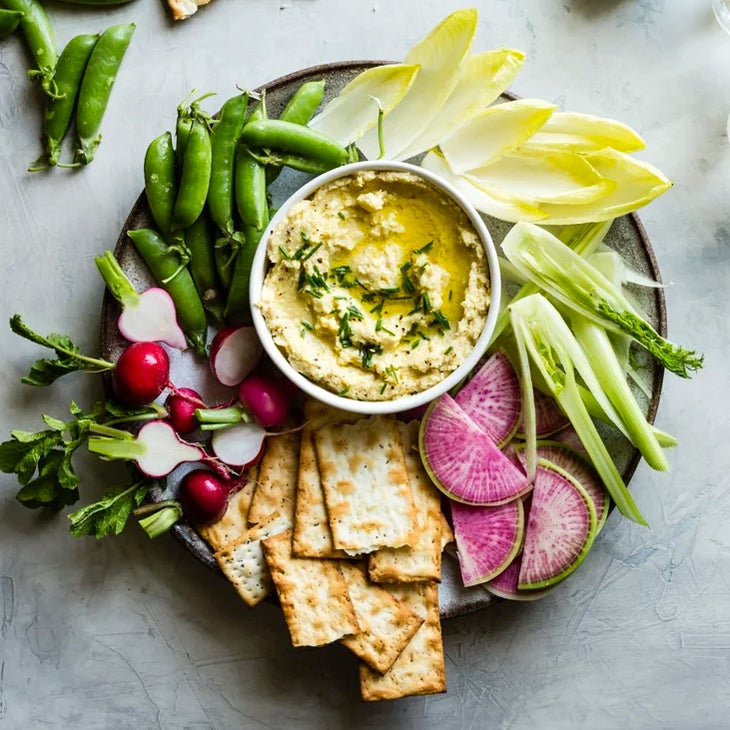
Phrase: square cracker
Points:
(386, 624)
(312, 592)
(277, 479)
(366, 486)
(421, 560)
(420, 667)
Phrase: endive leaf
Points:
(482, 78)
(560, 177)
(355, 109)
(439, 55)
(498, 206)
(637, 184)
(493, 132)
(585, 133)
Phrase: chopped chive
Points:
(284, 253)
(449, 350)
(341, 214)
(424, 249)
(307, 325)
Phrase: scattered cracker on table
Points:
(313, 594)
(366, 486)
(182, 9)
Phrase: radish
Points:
(492, 398)
(156, 449)
(560, 528)
(234, 353)
(181, 405)
(239, 445)
(141, 373)
(463, 461)
(148, 316)
(548, 416)
(204, 496)
(504, 585)
(487, 538)
(265, 399)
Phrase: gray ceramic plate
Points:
(627, 235)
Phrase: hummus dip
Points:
(378, 285)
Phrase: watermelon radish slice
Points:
(560, 528)
(487, 538)
(463, 461)
(569, 437)
(504, 585)
(492, 398)
(548, 416)
(581, 470)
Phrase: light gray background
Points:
(128, 633)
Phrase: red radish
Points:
(181, 405)
(204, 496)
(463, 461)
(239, 445)
(148, 316)
(265, 399)
(156, 450)
(504, 585)
(234, 353)
(141, 373)
(487, 538)
(492, 398)
(560, 529)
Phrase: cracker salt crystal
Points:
(386, 624)
(420, 667)
(313, 594)
(366, 486)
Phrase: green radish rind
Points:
(487, 539)
(463, 462)
(505, 585)
(551, 529)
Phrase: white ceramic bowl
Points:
(368, 407)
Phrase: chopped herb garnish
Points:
(424, 249)
(426, 303)
(354, 312)
(284, 253)
(344, 331)
(368, 350)
(312, 251)
(392, 373)
(440, 321)
(341, 214)
(379, 327)
(307, 325)
(449, 350)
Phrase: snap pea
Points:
(96, 86)
(274, 163)
(279, 135)
(194, 177)
(251, 201)
(302, 104)
(41, 40)
(200, 243)
(170, 271)
(224, 139)
(238, 307)
(9, 21)
(187, 112)
(59, 111)
(160, 182)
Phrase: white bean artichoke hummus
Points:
(378, 285)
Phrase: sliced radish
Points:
(492, 398)
(560, 528)
(569, 436)
(487, 538)
(239, 445)
(463, 461)
(504, 585)
(548, 416)
(234, 353)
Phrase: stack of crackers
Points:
(340, 520)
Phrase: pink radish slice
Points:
(238, 445)
(569, 436)
(463, 461)
(560, 528)
(548, 416)
(581, 470)
(504, 585)
(487, 538)
(151, 317)
(234, 353)
(492, 398)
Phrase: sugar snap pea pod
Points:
(200, 242)
(297, 162)
(160, 182)
(224, 139)
(278, 135)
(187, 112)
(59, 110)
(170, 271)
(238, 308)
(40, 38)
(194, 177)
(303, 102)
(96, 87)
(251, 201)
(9, 21)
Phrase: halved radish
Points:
(463, 461)
(234, 353)
(487, 538)
(504, 585)
(560, 528)
(238, 445)
(548, 416)
(492, 398)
